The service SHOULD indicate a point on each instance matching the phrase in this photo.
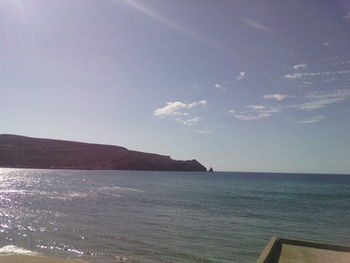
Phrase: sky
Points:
(239, 85)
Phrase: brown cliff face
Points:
(25, 152)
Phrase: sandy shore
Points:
(37, 259)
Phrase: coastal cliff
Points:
(26, 152)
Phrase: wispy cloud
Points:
(220, 87)
(344, 62)
(347, 16)
(203, 131)
(326, 44)
(182, 112)
(198, 86)
(341, 93)
(328, 83)
(241, 75)
(325, 73)
(197, 103)
(293, 76)
(251, 117)
(299, 66)
(312, 74)
(318, 100)
(329, 80)
(255, 112)
(256, 107)
(305, 84)
(189, 122)
(318, 104)
(278, 97)
(255, 24)
(313, 119)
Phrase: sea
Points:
(144, 217)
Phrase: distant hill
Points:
(25, 152)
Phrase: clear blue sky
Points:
(245, 85)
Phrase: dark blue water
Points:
(104, 216)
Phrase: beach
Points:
(37, 259)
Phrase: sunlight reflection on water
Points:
(167, 217)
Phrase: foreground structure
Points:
(281, 250)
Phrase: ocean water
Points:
(128, 216)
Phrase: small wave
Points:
(14, 250)
(76, 195)
(60, 195)
(12, 191)
(113, 188)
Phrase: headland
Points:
(26, 152)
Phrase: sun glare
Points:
(17, 8)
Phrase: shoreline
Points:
(38, 259)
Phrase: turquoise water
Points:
(128, 216)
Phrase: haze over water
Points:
(133, 216)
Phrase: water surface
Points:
(129, 216)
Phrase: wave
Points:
(113, 188)
(12, 191)
(14, 250)
(75, 195)
(60, 195)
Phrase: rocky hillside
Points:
(25, 152)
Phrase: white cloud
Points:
(299, 66)
(318, 100)
(341, 93)
(241, 75)
(312, 74)
(325, 43)
(305, 84)
(313, 119)
(197, 103)
(293, 76)
(172, 108)
(246, 116)
(318, 104)
(347, 16)
(220, 87)
(217, 86)
(264, 109)
(177, 108)
(181, 112)
(256, 107)
(340, 72)
(278, 97)
(189, 122)
(270, 110)
(256, 112)
(345, 62)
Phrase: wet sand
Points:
(37, 259)
(299, 254)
